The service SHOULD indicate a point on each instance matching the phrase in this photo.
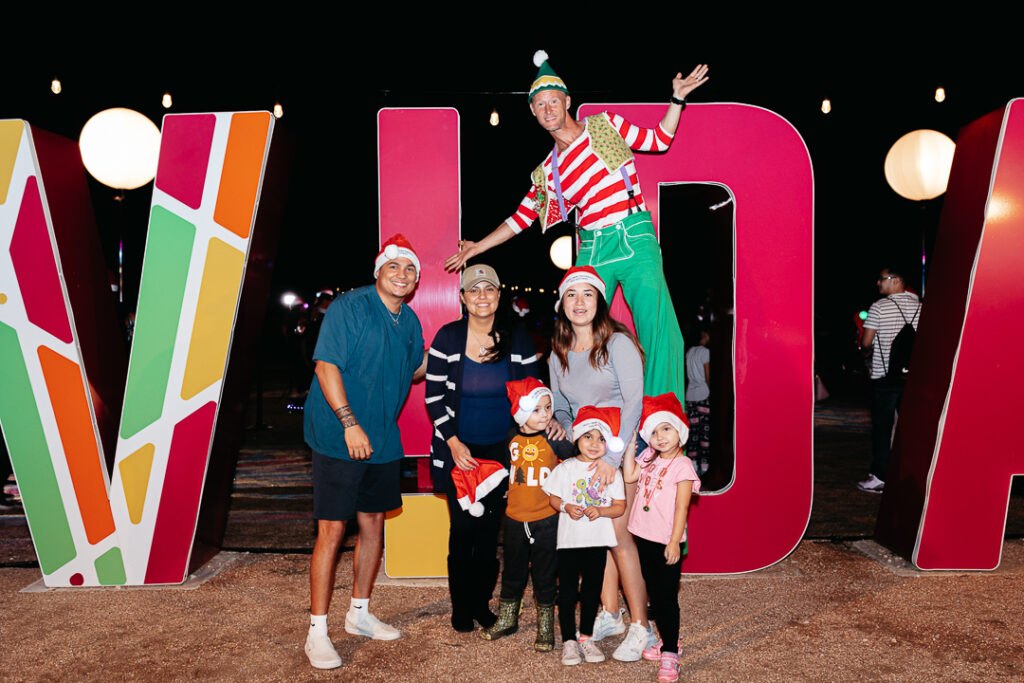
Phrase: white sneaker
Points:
(591, 652)
(633, 645)
(872, 485)
(571, 653)
(321, 652)
(370, 626)
(608, 624)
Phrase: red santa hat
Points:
(521, 306)
(664, 408)
(472, 485)
(524, 395)
(605, 420)
(580, 275)
(396, 247)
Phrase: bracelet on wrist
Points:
(680, 102)
(563, 506)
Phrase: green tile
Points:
(110, 568)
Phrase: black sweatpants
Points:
(662, 589)
(537, 559)
(580, 576)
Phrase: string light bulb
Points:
(278, 110)
(55, 86)
(166, 100)
(826, 105)
(495, 120)
(940, 94)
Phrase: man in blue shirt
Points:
(369, 350)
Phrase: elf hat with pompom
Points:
(580, 275)
(524, 395)
(396, 247)
(605, 420)
(664, 408)
(546, 78)
(472, 485)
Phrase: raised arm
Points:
(681, 87)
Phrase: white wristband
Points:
(563, 506)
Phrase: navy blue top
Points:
(485, 413)
(377, 357)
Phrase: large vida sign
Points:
(112, 502)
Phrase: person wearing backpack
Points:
(888, 336)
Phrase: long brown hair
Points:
(603, 325)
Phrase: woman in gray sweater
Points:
(595, 360)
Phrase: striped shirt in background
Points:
(885, 319)
(586, 182)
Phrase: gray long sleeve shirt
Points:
(618, 384)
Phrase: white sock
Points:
(359, 605)
(318, 624)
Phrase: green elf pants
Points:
(627, 254)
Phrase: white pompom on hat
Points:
(396, 247)
(524, 395)
(604, 420)
(472, 485)
(664, 408)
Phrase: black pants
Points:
(885, 401)
(473, 548)
(538, 558)
(662, 589)
(580, 576)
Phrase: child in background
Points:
(585, 531)
(698, 401)
(530, 523)
(658, 519)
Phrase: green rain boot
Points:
(545, 629)
(507, 623)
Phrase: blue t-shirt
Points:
(377, 358)
(485, 413)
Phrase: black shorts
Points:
(341, 488)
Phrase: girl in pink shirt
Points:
(658, 517)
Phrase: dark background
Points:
(332, 72)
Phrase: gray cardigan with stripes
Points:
(444, 393)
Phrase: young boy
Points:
(585, 531)
(530, 523)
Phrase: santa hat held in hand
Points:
(396, 247)
(605, 420)
(472, 485)
(580, 275)
(664, 408)
(524, 395)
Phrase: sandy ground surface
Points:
(839, 608)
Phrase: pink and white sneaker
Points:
(669, 669)
(653, 653)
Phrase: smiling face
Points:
(481, 300)
(580, 304)
(540, 418)
(550, 108)
(591, 445)
(396, 279)
(664, 438)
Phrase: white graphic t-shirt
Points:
(571, 481)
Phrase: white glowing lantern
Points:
(917, 166)
(278, 110)
(495, 119)
(120, 148)
(166, 100)
(561, 252)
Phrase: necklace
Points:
(649, 493)
(395, 318)
(483, 350)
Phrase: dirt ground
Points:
(839, 608)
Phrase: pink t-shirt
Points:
(655, 524)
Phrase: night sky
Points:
(333, 73)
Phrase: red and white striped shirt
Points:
(587, 183)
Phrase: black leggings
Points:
(580, 576)
(662, 589)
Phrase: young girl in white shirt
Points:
(585, 531)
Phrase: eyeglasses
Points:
(887, 277)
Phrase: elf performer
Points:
(591, 169)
